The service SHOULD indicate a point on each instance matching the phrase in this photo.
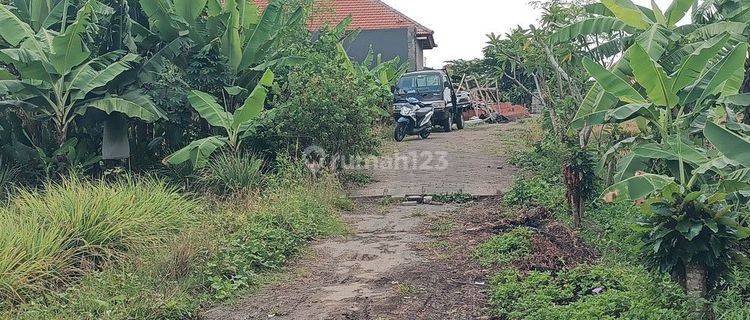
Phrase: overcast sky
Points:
(460, 26)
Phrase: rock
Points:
(410, 203)
(414, 198)
(427, 200)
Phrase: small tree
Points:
(235, 126)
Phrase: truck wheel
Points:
(460, 122)
(448, 124)
(400, 133)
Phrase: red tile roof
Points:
(366, 15)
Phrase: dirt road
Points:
(399, 262)
(467, 161)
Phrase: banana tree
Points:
(235, 125)
(655, 30)
(689, 227)
(58, 77)
(246, 38)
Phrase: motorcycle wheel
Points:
(448, 124)
(460, 122)
(425, 134)
(400, 132)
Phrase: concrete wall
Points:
(389, 43)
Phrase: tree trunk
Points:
(696, 277)
(550, 108)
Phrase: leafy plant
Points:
(235, 125)
(602, 292)
(686, 195)
(60, 78)
(338, 96)
(284, 221)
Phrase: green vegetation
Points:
(652, 115)
(233, 173)
(505, 248)
(206, 108)
(50, 237)
(598, 292)
(162, 270)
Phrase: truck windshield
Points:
(420, 83)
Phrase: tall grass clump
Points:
(49, 238)
(229, 173)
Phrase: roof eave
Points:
(427, 40)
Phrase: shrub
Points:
(74, 226)
(543, 159)
(733, 301)
(598, 292)
(324, 105)
(232, 173)
(505, 248)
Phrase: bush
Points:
(233, 249)
(48, 238)
(598, 292)
(609, 228)
(505, 248)
(324, 105)
(544, 159)
(232, 173)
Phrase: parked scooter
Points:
(413, 118)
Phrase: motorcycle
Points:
(414, 118)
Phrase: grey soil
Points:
(398, 262)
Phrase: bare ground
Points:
(399, 262)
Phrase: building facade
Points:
(387, 31)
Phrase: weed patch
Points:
(505, 248)
(441, 227)
(180, 266)
(598, 292)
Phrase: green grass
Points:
(232, 173)
(505, 248)
(49, 238)
(172, 269)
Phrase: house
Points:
(384, 29)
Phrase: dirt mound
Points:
(555, 245)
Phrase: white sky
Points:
(460, 26)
